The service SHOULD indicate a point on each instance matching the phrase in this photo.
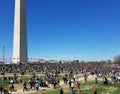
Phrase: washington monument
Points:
(20, 33)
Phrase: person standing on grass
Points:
(58, 82)
(95, 89)
(96, 80)
(1, 89)
(61, 91)
(72, 85)
(83, 81)
(78, 87)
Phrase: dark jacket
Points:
(61, 91)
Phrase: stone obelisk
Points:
(20, 33)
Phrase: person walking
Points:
(13, 87)
(24, 86)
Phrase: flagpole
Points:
(3, 53)
(3, 65)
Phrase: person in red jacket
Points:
(95, 89)
(78, 88)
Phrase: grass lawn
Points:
(86, 89)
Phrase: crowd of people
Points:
(51, 70)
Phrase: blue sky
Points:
(65, 29)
